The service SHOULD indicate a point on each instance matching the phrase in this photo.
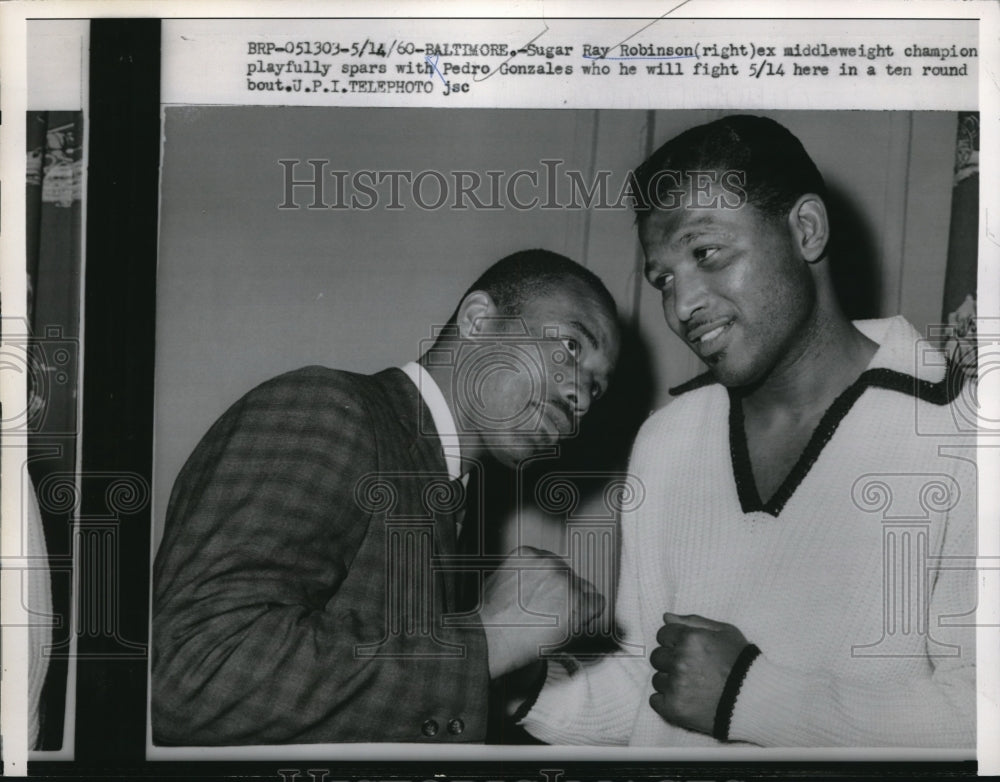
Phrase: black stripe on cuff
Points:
(727, 701)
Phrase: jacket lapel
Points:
(438, 498)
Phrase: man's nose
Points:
(689, 296)
(578, 395)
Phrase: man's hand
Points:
(693, 661)
(534, 600)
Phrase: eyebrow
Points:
(586, 332)
(683, 235)
(694, 228)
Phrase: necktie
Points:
(468, 543)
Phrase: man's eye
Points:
(704, 253)
(663, 282)
(596, 392)
(572, 346)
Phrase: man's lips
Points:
(559, 420)
(704, 333)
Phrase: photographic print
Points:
(600, 396)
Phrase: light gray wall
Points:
(246, 290)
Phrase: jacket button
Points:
(455, 727)
(429, 728)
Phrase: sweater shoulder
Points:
(684, 414)
(938, 413)
(698, 381)
(693, 398)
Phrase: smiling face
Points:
(733, 287)
(527, 387)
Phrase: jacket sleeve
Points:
(258, 634)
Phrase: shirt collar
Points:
(444, 422)
(901, 348)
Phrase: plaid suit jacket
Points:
(294, 598)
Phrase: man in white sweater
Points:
(801, 572)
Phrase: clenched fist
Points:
(692, 662)
(534, 601)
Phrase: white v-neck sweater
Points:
(856, 581)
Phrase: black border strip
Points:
(551, 770)
(120, 302)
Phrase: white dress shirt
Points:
(444, 422)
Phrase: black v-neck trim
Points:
(940, 393)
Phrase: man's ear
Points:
(475, 313)
(810, 227)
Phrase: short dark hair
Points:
(777, 168)
(528, 274)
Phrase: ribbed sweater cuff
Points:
(532, 695)
(769, 710)
(731, 690)
(547, 707)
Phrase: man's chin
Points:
(730, 376)
(512, 455)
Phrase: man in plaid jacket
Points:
(299, 591)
